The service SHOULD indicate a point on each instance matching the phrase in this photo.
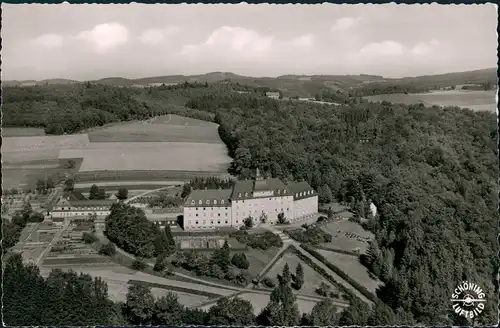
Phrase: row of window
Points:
(300, 194)
(207, 202)
(205, 222)
(205, 214)
(211, 208)
(84, 208)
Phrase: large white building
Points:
(258, 199)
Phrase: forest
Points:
(431, 172)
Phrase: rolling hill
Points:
(293, 85)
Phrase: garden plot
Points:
(313, 280)
(347, 236)
(353, 268)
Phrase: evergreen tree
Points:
(139, 305)
(286, 276)
(298, 278)
(323, 313)
(94, 192)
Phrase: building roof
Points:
(93, 202)
(242, 189)
(209, 198)
(87, 202)
(301, 187)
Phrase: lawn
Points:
(177, 156)
(476, 100)
(312, 278)
(351, 266)
(22, 132)
(345, 236)
(258, 259)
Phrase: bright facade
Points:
(258, 199)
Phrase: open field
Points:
(187, 156)
(475, 100)
(312, 278)
(347, 236)
(145, 175)
(22, 132)
(44, 143)
(166, 128)
(25, 173)
(129, 184)
(352, 267)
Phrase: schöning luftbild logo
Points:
(468, 300)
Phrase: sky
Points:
(85, 42)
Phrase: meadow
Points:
(352, 267)
(162, 148)
(474, 99)
(151, 156)
(165, 128)
(312, 279)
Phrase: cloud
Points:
(50, 41)
(424, 48)
(385, 48)
(105, 37)
(233, 40)
(345, 23)
(155, 36)
(303, 41)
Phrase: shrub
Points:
(262, 241)
(268, 282)
(89, 238)
(240, 260)
(248, 222)
(312, 235)
(108, 249)
(139, 265)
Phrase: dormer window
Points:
(284, 191)
(279, 191)
(215, 202)
(192, 202)
(208, 202)
(246, 194)
(200, 202)
(222, 201)
(239, 194)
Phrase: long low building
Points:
(65, 208)
(261, 199)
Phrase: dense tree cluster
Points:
(206, 183)
(371, 89)
(129, 229)
(261, 241)
(219, 265)
(64, 298)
